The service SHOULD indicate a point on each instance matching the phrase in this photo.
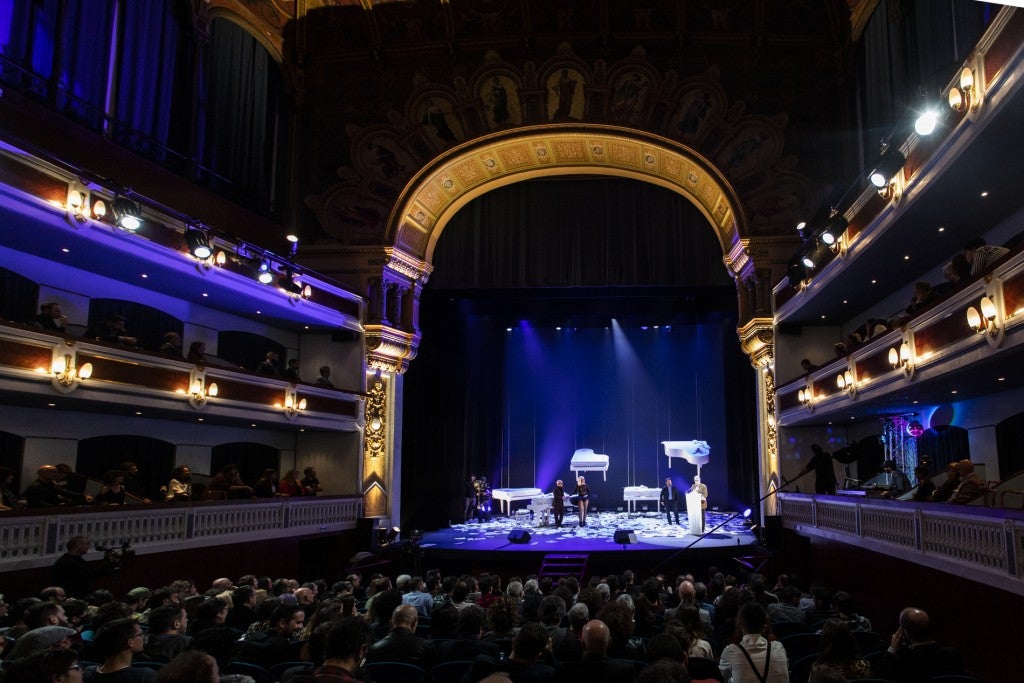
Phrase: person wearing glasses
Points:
(118, 641)
(47, 666)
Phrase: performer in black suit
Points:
(470, 495)
(670, 499)
(558, 502)
(582, 494)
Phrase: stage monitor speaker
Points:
(773, 532)
(519, 536)
(625, 536)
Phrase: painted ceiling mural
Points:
(387, 87)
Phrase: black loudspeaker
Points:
(625, 536)
(773, 532)
(519, 536)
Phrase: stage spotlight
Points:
(263, 274)
(746, 513)
(127, 214)
(392, 534)
(198, 243)
(927, 121)
(888, 166)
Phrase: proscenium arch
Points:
(435, 194)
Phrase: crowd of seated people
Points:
(613, 628)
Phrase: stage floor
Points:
(651, 530)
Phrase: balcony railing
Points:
(968, 541)
(28, 541)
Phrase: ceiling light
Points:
(888, 166)
(198, 243)
(127, 214)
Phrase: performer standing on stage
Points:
(702, 489)
(670, 499)
(470, 494)
(558, 502)
(582, 499)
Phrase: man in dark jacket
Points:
(72, 573)
(275, 645)
(401, 644)
(913, 656)
(596, 666)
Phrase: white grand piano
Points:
(633, 494)
(586, 460)
(694, 452)
(509, 496)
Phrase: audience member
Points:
(754, 658)
(266, 485)
(8, 496)
(925, 485)
(344, 649)
(913, 656)
(196, 352)
(292, 371)
(51, 318)
(45, 492)
(468, 643)
(289, 484)
(788, 606)
(172, 345)
(132, 483)
(838, 650)
(118, 641)
(268, 366)
(42, 638)
(324, 380)
(46, 666)
(807, 366)
(179, 488)
(980, 255)
(73, 573)
(970, 487)
(193, 666)
(112, 492)
(943, 492)
(310, 484)
(595, 666)
(229, 481)
(401, 644)
(423, 602)
(843, 602)
(524, 664)
(167, 628)
(112, 331)
(274, 644)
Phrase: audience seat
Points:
(256, 673)
(450, 672)
(395, 672)
(800, 645)
(702, 668)
(781, 629)
(800, 669)
(869, 641)
(277, 671)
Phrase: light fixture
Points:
(263, 273)
(962, 95)
(915, 428)
(926, 121)
(198, 243)
(127, 214)
(890, 163)
(806, 395)
(833, 230)
(65, 375)
(901, 358)
(77, 204)
(292, 405)
(985, 321)
(199, 392)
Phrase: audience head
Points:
(665, 645)
(287, 620)
(596, 637)
(837, 643)
(191, 666)
(914, 623)
(965, 468)
(752, 619)
(530, 642)
(664, 671)
(579, 615)
(405, 616)
(117, 636)
(348, 639)
(168, 619)
(471, 622)
(47, 666)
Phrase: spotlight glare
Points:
(926, 122)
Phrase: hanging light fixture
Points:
(890, 163)
(198, 243)
(127, 214)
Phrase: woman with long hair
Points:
(112, 492)
(289, 484)
(839, 651)
(180, 486)
(688, 618)
(582, 495)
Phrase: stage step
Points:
(557, 565)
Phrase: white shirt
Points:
(736, 669)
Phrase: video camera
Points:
(116, 554)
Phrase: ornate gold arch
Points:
(441, 188)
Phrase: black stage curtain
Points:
(942, 445)
(154, 457)
(1010, 444)
(12, 448)
(248, 350)
(19, 297)
(147, 324)
(250, 458)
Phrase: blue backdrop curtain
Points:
(28, 33)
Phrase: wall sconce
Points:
(847, 381)
(902, 358)
(293, 288)
(264, 275)
(77, 204)
(962, 96)
(806, 395)
(66, 376)
(986, 321)
(199, 392)
(292, 405)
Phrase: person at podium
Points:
(582, 495)
(670, 499)
(702, 489)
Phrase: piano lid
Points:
(693, 452)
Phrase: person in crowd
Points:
(943, 492)
(172, 345)
(266, 485)
(754, 658)
(179, 488)
(72, 571)
(924, 297)
(595, 664)
(196, 353)
(898, 482)
(167, 638)
(132, 482)
(401, 644)
(844, 604)
(822, 608)
(292, 371)
(525, 664)
(687, 595)
(273, 645)
(289, 484)
(243, 608)
(701, 489)
(913, 655)
(582, 495)
(324, 380)
(49, 665)
(42, 638)
(112, 331)
(310, 483)
(193, 666)
(45, 492)
(118, 641)
(136, 599)
(344, 649)
(229, 481)
(69, 479)
(670, 500)
(839, 651)
(53, 594)
(788, 606)
(688, 616)
(925, 485)
(824, 470)
(981, 256)
(970, 486)
(564, 644)
(209, 614)
(422, 601)
(468, 642)
(807, 366)
(51, 318)
(268, 366)
(112, 492)
(8, 496)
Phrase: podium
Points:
(693, 514)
